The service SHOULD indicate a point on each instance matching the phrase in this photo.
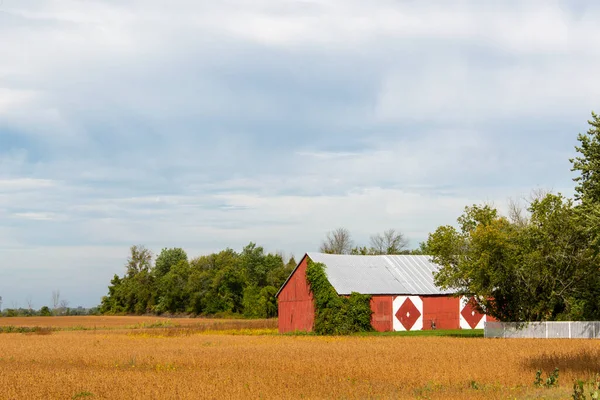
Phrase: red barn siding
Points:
(443, 310)
(381, 319)
(296, 305)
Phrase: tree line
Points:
(226, 283)
(58, 307)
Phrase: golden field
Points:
(198, 359)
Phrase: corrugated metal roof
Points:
(386, 274)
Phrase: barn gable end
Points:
(295, 301)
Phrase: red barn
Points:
(404, 296)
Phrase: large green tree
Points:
(167, 259)
(587, 163)
(537, 270)
(543, 266)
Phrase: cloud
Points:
(210, 124)
(12, 99)
(39, 216)
(479, 93)
(24, 184)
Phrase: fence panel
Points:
(543, 330)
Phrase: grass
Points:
(464, 333)
(39, 330)
(83, 323)
(149, 360)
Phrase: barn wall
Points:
(469, 317)
(296, 305)
(442, 310)
(381, 319)
(411, 313)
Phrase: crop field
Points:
(237, 359)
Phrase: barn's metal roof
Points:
(386, 274)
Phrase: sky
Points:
(210, 124)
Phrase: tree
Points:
(518, 213)
(278, 275)
(361, 251)
(172, 288)
(167, 259)
(588, 163)
(45, 311)
(113, 303)
(588, 181)
(267, 302)
(422, 250)
(55, 299)
(140, 259)
(29, 302)
(0, 303)
(337, 241)
(390, 242)
(540, 270)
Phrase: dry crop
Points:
(177, 363)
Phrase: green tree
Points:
(256, 265)
(144, 292)
(111, 303)
(361, 251)
(167, 259)
(250, 302)
(218, 282)
(587, 188)
(267, 302)
(45, 311)
(588, 163)
(421, 250)
(538, 270)
(173, 296)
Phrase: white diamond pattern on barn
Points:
(408, 313)
(469, 317)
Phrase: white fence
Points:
(543, 330)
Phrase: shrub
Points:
(551, 380)
(592, 386)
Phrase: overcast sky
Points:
(210, 124)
